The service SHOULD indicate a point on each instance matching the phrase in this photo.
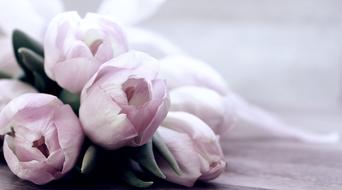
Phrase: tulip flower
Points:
(180, 70)
(195, 147)
(12, 89)
(206, 104)
(75, 48)
(43, 137)
(124, 102)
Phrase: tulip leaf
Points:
(130, 178)
(145, 157)
(19, 40)
(72, 99)
(165, 153)
(89, 160)
(4, 75)
(39, 82)
(32, 61)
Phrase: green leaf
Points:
(34, 63)
(20, 40)
(130, 178)
(145, 157)
(4, 75)
(72, 99)
(39, 82)
(89, 160)
(32, 60)
(165, 152)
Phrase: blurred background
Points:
(284, 55)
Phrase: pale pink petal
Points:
(102, 121)
(182, 148)
(181, 70)
(32, 171)
(70, 135)
(74, 73)
(205, 142)
(206, 104)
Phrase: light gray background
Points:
(285, 55)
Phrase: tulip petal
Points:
(109, 129)
(182, 148)
(70, 134)
(206, 104)
(180, 70)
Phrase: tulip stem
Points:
(89, 160)
(130, 178)
(145, 157)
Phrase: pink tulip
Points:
(180, 70)
(75, 48)
(206, 104)
(195, 147)
(12, 89)
(124, 102)
(43, 137)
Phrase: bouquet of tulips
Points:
(87, 99)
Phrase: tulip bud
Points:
(43, 137)
(75, 48)
(12, 89)
(124, 102)
(195, 147)
(206, 104)
(181, 70)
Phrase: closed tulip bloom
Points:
(75, 48)
(124, 102)
(180, 70)
(12, 89)
(195, 147)
(206, 104)
(43, 137)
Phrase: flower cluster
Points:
(91, 94)
(84, 91)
